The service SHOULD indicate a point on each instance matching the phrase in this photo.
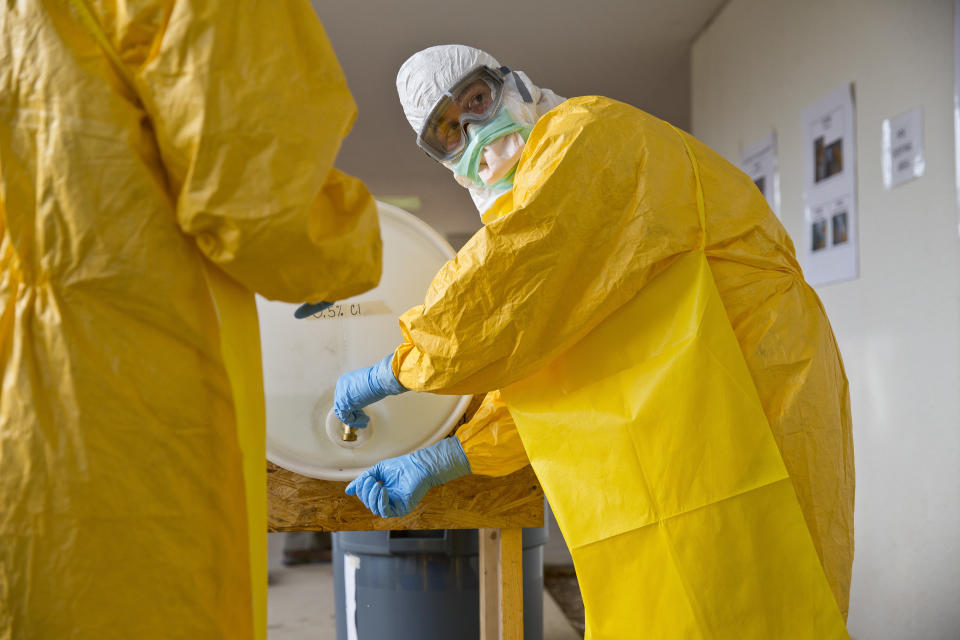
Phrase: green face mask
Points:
(469, 164)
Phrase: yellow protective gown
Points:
(675, 382)
(159, 162)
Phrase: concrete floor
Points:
(300, 605)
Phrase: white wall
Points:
(757, 67)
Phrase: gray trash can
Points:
(422, 585)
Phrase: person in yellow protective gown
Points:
(159, 163)
(641, 324)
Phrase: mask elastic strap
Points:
(522, 88)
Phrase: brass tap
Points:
(349, 434)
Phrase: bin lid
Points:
(302, 360)
(451, 542)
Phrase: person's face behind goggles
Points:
(476, 98)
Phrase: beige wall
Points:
(756, 68)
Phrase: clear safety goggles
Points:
(474, 99)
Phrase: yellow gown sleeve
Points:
(602, 202)
(249, 106)
(491, 441)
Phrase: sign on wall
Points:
(956, 97)
(829, 194)
(760, 163)
(902, 157)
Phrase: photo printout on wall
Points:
(759, 162)
(829, 195)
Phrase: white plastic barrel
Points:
(302, 360)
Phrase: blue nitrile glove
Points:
(356, 389)
(311, 308)
(393, 487)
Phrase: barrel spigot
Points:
(349, 434)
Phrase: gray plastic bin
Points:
(423, 585)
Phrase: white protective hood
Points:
(427, 75)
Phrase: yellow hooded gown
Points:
(674, 381)
(159, 162)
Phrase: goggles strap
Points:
(522, 88)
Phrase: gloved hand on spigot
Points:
(361, 387)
